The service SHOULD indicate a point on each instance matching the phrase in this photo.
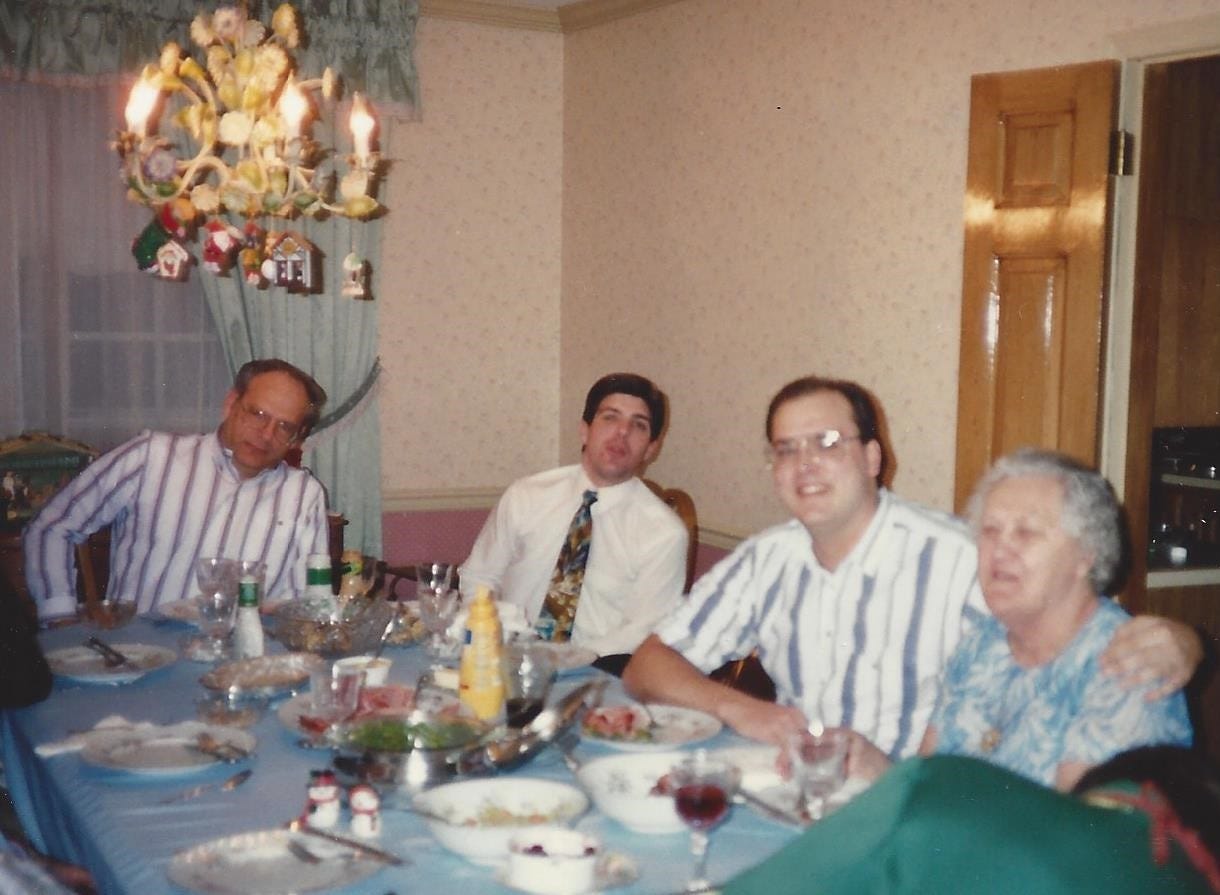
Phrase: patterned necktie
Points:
(559, 607)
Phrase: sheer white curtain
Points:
(90, 347)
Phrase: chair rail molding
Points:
(425, 499)
(507, 14)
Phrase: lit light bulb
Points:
(362, 127)
(293, 106)
(139, 106)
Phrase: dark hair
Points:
(315, 394)
(863, 406)
(1184, 777)
(629, 384)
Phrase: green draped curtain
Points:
(369, 43)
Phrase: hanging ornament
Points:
(219, 246)
(251, 255)
(355, 276)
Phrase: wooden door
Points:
(1036, 215)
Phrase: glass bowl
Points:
(354, 628)
(107, 615)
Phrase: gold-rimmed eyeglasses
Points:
(827, 444)
(282, 431)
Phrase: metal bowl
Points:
(411, 753)
(354, 628)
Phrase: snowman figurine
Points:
(322, 808)
(366, 813)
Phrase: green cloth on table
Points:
(950, 824)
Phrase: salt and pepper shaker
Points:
(248, 642)
(322, 806)
(366, 811)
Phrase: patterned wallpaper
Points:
(755, 191)
(749, 191)
(469, 285)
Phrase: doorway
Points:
(1175, 351)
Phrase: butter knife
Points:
(224, 786)
(774, 812)
(385, 857)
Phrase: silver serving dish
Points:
(420, 764)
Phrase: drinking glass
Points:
(334, 694)
(703, 789)
(528, 674)
(819, 767)
(217, 578)
(439, 602)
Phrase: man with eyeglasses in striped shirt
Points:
(171, 499)
(853, 605)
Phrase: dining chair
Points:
(684, 505)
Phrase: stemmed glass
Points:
(703, 788)
(819, 766)
(439, 602)
(217, 578)
(334, 695)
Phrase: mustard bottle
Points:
(480, 679)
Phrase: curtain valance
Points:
(368, 42)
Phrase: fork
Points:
(110, 656)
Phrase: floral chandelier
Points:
(247, 118)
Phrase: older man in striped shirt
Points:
(171, 499)
(855, 604)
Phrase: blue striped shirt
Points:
(171, 499)
(862, 646)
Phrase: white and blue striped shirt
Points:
(171, 499)
(863, 646)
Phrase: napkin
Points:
(512, 621)
(76, 741)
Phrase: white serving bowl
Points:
(376, 671)
(552, 861)
(621, 787)
(481, 816)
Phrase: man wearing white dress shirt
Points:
(171, 499)
(853, 605)
(636, 563)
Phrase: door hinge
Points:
(1122, 153)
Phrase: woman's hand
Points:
(1155, 652)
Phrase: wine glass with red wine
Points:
(703, 789)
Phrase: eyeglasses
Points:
(283, 431)
(826, 445)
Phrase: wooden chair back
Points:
(682, 504)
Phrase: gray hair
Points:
(1090, 508)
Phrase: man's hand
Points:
(1153, 651)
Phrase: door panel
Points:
(1037, 190)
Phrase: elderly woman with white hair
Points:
(1024, 690)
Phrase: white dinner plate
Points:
(757, 766)
(185, 610)
(290, 711)
(83, 665)
(169, 750)
(567, 657)
(783, 794)
(671, 727)
(269, 677)
(261, 862)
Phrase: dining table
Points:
(115, 822)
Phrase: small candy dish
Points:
(553, 861)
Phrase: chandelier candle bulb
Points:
(293, 106)
(362, 128)
(139, 107)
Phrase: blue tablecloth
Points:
(112, 823)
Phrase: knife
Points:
(225, 786)
(112, 656)
(386, 857)
(774, 812)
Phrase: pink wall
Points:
(438, 535)
(447, 535)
